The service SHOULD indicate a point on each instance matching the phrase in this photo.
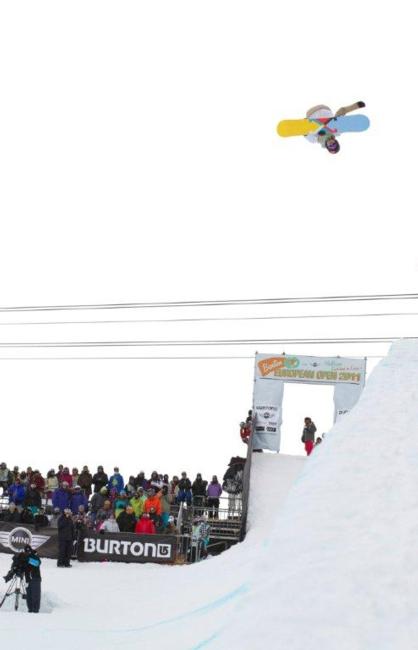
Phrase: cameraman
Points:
(27, 565)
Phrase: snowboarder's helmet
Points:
(332, 145)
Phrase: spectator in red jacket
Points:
(66, 477)
(38, 480)
(145, 526)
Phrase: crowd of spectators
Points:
(103, 502)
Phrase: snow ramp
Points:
(329, 561)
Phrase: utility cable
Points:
(214, 303)
(221, 342)
(204, 320)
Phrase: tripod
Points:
(17, 587)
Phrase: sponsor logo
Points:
(273, 364)
(126, 548)
(20, 537)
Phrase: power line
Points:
(221, 342)
(159, 358)
(210, 319)
(214, 303)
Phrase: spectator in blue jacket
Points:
(61, 497)
(78, 499)
(17, 492)
(116, 481)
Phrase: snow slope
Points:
(106, 604)
(329, 561)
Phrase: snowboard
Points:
(331, 125)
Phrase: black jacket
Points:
(100, 479)
(184, 484)
(33, 498)
(199, 488)
(126, 522)
(66, 531)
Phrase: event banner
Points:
(272, 371)
(93, 547)
(267, 409)
(127, 547)
(311, 370)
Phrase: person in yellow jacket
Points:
(138, 501)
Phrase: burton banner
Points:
(127, 547)
(92, 547)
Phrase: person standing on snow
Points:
(308, 435)
(325, 139)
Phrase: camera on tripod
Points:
(17, 569)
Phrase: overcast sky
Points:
(139, 162)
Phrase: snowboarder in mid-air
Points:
(323, 126)
(325, 139)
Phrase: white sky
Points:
(139, 162)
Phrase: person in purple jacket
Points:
(17, 492)
(78, 499)
(61, 497)
(213, 492)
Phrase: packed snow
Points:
(329, 560)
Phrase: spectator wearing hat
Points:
(116, 481)
(214, 491)
(97, 501)
(130, 487)
(51, 483)
(155, 482)
(66, 476)
(66, 536)
(38, 480)
(165, 506)
(199, 493)
(120, 503)
(106, 511)
(53, 519)
(170, 528)
(74, 477)
(6, 478)
(173, 489)
(32, 498)
(127, 520)
(308, 435)
(12, 515)
(141, 481)
(145, 526)
(40, 519)
(78, 499)
(137, 502)
(185, 490)
(61, 497)
(156, 519)
(100, 479)
(85, 481)
(109, 525)
(153, 501)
